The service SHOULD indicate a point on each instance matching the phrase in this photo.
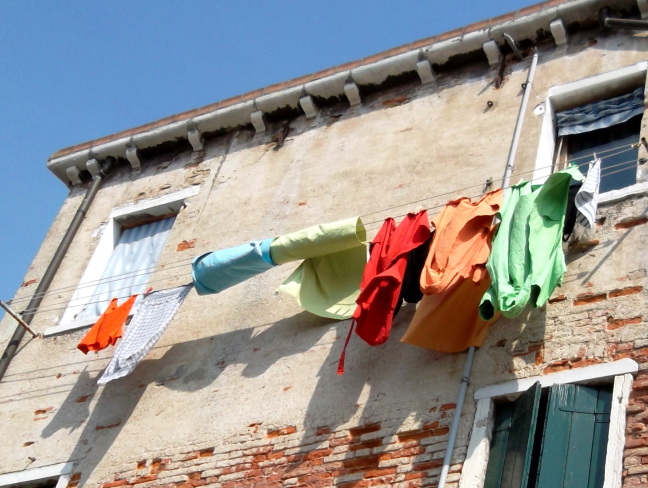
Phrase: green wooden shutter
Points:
(512, 443)
(575, 437)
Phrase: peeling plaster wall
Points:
(248, 367)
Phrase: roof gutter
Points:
(613, 23)
(54, 264)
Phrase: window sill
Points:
(623, 193)
(69, 327)
(62, 471)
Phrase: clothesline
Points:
(184, 262)
(335, 280)
(624, 165)
(601, 154)
(188, 260)
(53, 307)
(117, 277)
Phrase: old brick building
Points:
(241, 390)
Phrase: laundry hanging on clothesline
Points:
(335, 280)
(108, 328)
(326, 283)
(587, 197)
(411, 287)
(216, 271)
(152, 316)
(527, 262)
(383, 277)
(454, 277)
(334, 256)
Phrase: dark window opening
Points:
(613, 145)
(43, 483)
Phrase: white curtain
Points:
(130, 265)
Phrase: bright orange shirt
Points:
(450, 322)
(108, 327)
(461, 243)
(454, 277)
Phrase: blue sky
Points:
(73, 71)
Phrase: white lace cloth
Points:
(151, 318)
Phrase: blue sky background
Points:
(72, 71)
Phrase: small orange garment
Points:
(463, 231)
(108, 328)
(454, 277)
(450, 322)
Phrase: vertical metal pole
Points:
(457, 417)
(506, 179)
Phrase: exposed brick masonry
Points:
(364, 456)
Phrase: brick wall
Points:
(366, 456)
(635, 460)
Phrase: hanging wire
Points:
(628, 165)
(53, 307)
(101, 281)
(81, 299)
(589, 157)
(625, 165)
(369, 225)
(460, 190)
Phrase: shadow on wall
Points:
(390, 383)
(187, 366)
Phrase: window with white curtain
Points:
(126, 255)
(130, 265)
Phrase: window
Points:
(603, 115)
(557, 400)
(54, 476)
(608, 129)
(125, 257)
(129, 267)
(551, 438)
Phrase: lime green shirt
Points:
(527, 261)
(327, 282)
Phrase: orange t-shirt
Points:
(450, 322)
(454, 277)
(461, 243)
(108, 327)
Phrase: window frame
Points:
(61, 470)
(110, 232)
(581, 92)
(620, 373)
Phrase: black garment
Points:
(571, 211)
(411, 289)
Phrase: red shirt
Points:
(383, 277)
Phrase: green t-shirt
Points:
(527, 261)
